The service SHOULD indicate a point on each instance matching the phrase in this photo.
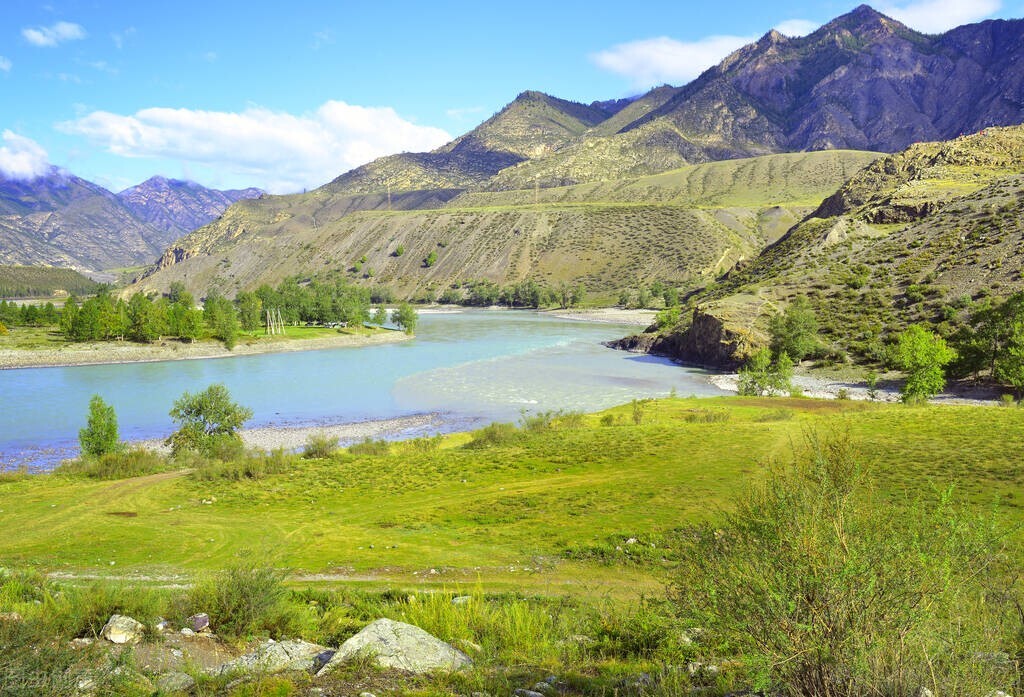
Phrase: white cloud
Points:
(650, 62)
(22, 158)
(464, 112)
(54, 34)
(5, 64)
(796, 27)
(277, 151)
(936, 16)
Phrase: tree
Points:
(430, 260)
(99, 436)
(206, 421)
(922, 355)
(406, 318)
(250, 311)
(795, 331)
(579, 294)
(761, 375)
(184, 318)
(381, 315)
(141, 324)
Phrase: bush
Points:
(370, 447)
(100, 433)
(827, 589)
(762, 376)
(320, 446)
(243, 600)
(134, 462)
(493, 434)
(255, 465)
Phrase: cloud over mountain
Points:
(22, 158)
(280, 152)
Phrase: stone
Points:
(185, 631)
(82, 642)
(175, 682)
(162, 625)
(11, 617)
(199, 622)
(277, 656)
(923, 692)
(545, 688)
(121, 629)
(367, 694)
(527, 693)
(462, 599)
(400, 646)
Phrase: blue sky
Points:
(286, 96)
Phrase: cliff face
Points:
(707, 342)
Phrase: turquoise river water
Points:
(471, 367)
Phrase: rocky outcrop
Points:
(707, 342)
(400, 646)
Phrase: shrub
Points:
(843, 393)
(320, 446)
(1007, 400)
(243, 600)
(608, 420)
(639, 406)
(493, 434)
(808, 579)
(100, 433)
(123, 464)
(370, 448)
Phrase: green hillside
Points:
(684, 227)
(916, 237)
(42, 281)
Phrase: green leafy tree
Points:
(99, 436)
(922, 355)
(671, 296)
(250, 311)
(431, 259)
(206, 421)
(406, 318)
(761, 375)
(141, 319)
(1010, 365)
(67, 317)
(795, 331)
(381, 315)
(579, 294)
(185, 319)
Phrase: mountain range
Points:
(59, 219)
(561, 191)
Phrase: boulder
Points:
(12, 617)
(401, 646)
(199, 622)
(277, 656)
(121, 629)
(175, 682)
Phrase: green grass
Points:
(521, 512)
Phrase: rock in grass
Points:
(277, 656)
(402, 646)
(12, 617)
(121, 629)
(175, 682)
(199, 622)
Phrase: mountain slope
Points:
(683, 226)
(914, 237)
(62, 220)
(863, 81)
(530, 126)
(179, 207)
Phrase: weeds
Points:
(370, 448)
(320, 446)
(121, 464)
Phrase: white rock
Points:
(401, 646)
(121, 629)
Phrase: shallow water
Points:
(472, 367)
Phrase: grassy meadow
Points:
(545, 506)
(566, 534)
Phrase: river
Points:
(472, 367)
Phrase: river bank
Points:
(110, 352)
(887, 390)
(269, 438)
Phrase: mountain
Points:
(179, 207)
(685, 226)
(863, 82)
(918, 236)
(62, 220)
(532, 125)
